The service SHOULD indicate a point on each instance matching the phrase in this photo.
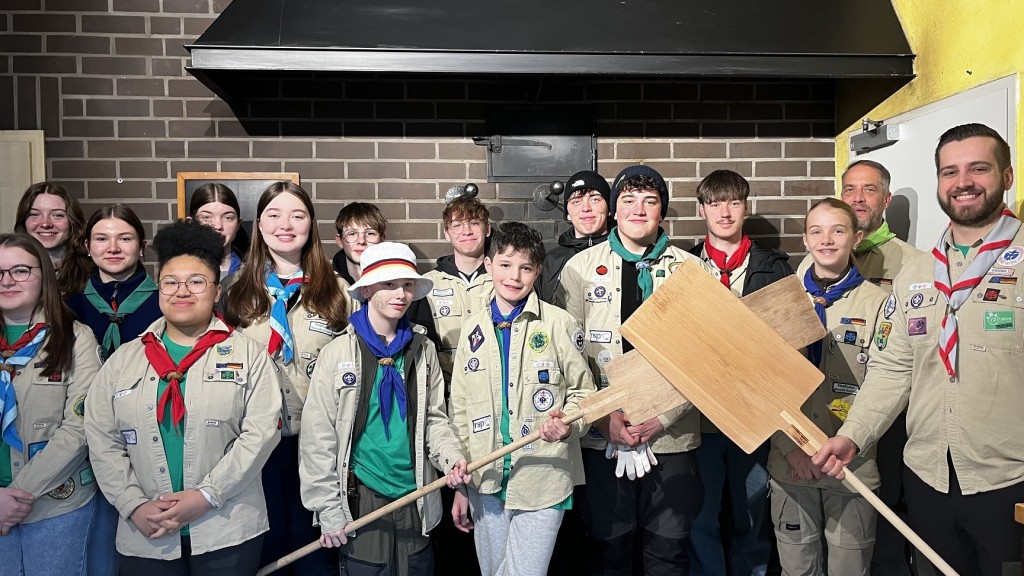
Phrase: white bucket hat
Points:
(389, 261)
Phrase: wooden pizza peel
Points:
(737, 371)
(637, 388)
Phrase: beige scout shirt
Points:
(325, 444)
(546, 372)
(233, 410)
(310, 333)
(976, 416)
(845, 352)
(50, 416)
(451, 302)
(880, 264)
(589, 289)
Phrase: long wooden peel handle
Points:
(809, 437)
(412, 497)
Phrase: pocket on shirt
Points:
(224, 398)
(924, 316)
(543, 389)
(1001, 322)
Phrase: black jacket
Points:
(764, 267)
(568, 246)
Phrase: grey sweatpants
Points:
(512, 542)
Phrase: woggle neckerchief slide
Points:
(636, 386)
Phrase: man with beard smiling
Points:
(949, 350)
(601, 287)
(586, 206)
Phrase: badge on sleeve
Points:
(476, 339)
(131, 437)
(523, 433)
(348, 378)
(882, 336)
(578, 340)
(890, 306)
(310, 367)
(482, 423)
(64, 491)
(543, 399)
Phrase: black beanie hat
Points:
(640, 170)
(585, 180)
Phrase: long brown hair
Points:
(247, 299)
(76, 266)
(59, 347)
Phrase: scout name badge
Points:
(749, 382)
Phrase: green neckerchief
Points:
(112, 337)
(644, 278)
(877, 238)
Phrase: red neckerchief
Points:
(164, 366)
(727, 267)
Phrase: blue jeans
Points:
(51, 547)
(720, 461)
(101, 553)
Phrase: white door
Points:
(22, 163)
(915, 213)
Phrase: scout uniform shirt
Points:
(546, 372)
(339, 387)
(975, 417)
(232, 423)
(880, 263)
(590, 288)
(310, 333)
(50, 410)
(451, 302)
(845, 352)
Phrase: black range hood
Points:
(835, 39)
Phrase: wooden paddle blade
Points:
(784, 306)
(648, 393)
(736, 369)
(602, 403)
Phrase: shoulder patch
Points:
(578, 340)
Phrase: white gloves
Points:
(634, 462)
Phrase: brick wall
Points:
(105, 79)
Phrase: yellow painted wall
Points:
(960, 44)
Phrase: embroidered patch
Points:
(840, 409)
(601, 336)
(601, 270)
(64, 491)
(348, 378)
(482, 423)
(523, 433)
(543, 364)
(131, 437)
(850, 337)
(223, 349)
(238, 365)
(35, 448)
(999, 321)
(320, 327)
(227, 374)
(991, 295)
(844, 388)
(882, 336)
(310, 367)
(890, 306)
(917, 326)
(543, 399)
(578, 340)
(86, 477)
(916, 300)
(444, 310)
(539, 341)
(659, 274)
(543, 376)
(853, 321)
(80, 407)
(920, 286)
(476, 339)
(1001, 271)
(1011, 280)
(1011, 256)
(473, 364)
(441, 293)
(600, 291)
(213, 423)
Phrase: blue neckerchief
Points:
(280, 294)
(8, 398)
(234, 264)
(503, 333)
(392, 386)
(823, 299)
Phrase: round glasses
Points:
(18, 273)
(457, 225)
(196, 285)
(371, 236)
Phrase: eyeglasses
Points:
(371, 236)
(18, 273)
(457, 225)
(196, 285)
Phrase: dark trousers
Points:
(291, 525)
(891, 553)
(658, 508)
(239, 560)
(975, 534)
(390, 546)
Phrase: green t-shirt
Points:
(174, 440)
(6, 474)
(383, 465)
(963, 248)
